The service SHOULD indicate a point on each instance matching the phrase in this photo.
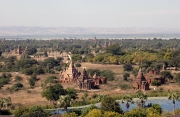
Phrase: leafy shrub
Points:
(50, 79)
(78, 65)
(28, 71)
(108, 74)
(4, 81)
(58, 68)
(128, 67)
(18, 78)
(156, 83)
(34, 77)
(35, 111)
(72, 114)
(86, 110)
(126, 75)
(124, 86)
(16, 87)
(93, 71)
(31, 82)
(78, 103)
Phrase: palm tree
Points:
(128, 99)
(142, 97)
(173, 96)
(64, 101)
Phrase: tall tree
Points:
(128, 99)
(127, 67)
(52, 93)
(174, 97)
(109, 104)
(142, 97)
(64, 101)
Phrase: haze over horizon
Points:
(91, 13)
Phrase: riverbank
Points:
(98, 104)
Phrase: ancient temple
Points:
(84, 82)
(19, 50)
(89, 82)
(140, 82)
(105, 45)
(82, 79)
(70, 74)
(154, 75)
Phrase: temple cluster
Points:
(83, 80)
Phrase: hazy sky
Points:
(90, 13)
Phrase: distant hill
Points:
(22, 30)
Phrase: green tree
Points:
(136, 112)
(167, 74)
(16, 87)
(64, 101)
(45, 54)
(76, 57)
(52, 93)
(174, 97)
(126, 75)
(109, 104)
(177, 78)
(127, 67)
(59, 59)
(151, 112)
(93, 72)
(86, 110)
(95, 113)
(157, 107)
(111, 114)
(156, 83)
(21, 111)
(35, 111)
(50, 79)
(101, 97)
(72, 114)
(78, 65)
(175, 61)
(108, 74)
(31, 51)
(128, 99)
(18, 78)
(72, 93)
(142, 97)
(113, 49)
(32, 82)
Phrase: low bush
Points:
(50, 79)
(124, 86)
(78, 65)
(3, 81)
(108, 74)
(18, 78)
(16, 87)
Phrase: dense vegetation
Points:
(148, 54)
(131, 51)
